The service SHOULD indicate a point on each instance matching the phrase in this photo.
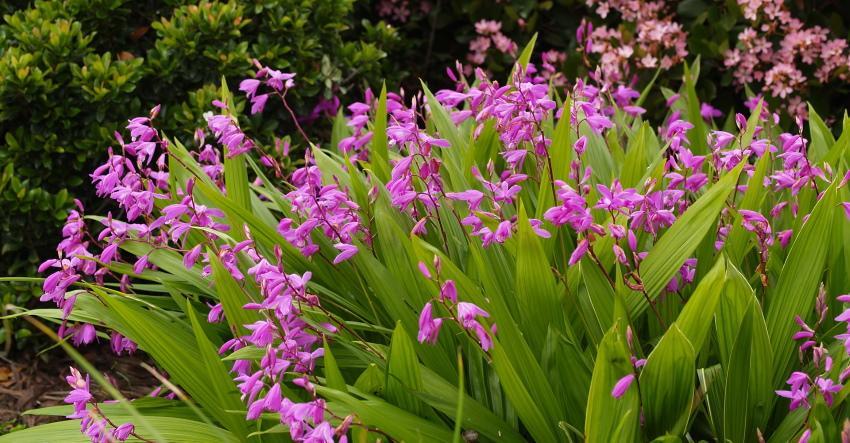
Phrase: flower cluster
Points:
(292, 344)
(625, 382)
(400, 11)
(783, 55)
(321, 208)
(654, 41)
(354, 145)
(489, 36)
(465, 314)
(277, 82)
(822, 377)
(93, 423)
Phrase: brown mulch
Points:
(29, 381)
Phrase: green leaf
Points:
(634, 165)
(697, 315)
(667, 384)
(524, 57)
(712, 381)
(682, 239)
(218, 376)
(171, 429)
(403, 376)
(146, 406)
(596, 303)
(527, 406)
(232, 297)
(561, 149)
(735, 298)
(839, 149)
(400, 424)
(538, 293)
(174, 347)
(736, 420)
(236, 182)
(697, 135)
(169, 261)
(789, 426)
(523, 380)
(796, 290)
(824, 422)
(235, 174)
(246, 353)
(598, 156)
(371, 380)
(820, 136)
(379, 156)
(612, 419)
(751, 396)
(340, 129)
(442, 396)
(333, 376)
(646, 89)
(461, 396)
(570, 367)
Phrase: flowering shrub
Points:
(648, 38)
(493, 261)
(781, 53)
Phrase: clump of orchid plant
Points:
(515, 260)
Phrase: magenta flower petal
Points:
(622, 385)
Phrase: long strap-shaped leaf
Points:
(453, 155)
(681, 240)
(523, 379)
(667, 384)
(796, 289)
(232, 297)
(612, 419)
(173, 345)
(171, 429)
(398, 423)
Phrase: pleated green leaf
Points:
(737, 423)
(175, 347)
(538, 293)
(333, 376)
(403, 376)
(379, 159)
(796, 290)
(696, 317)
(681, 240)
(232, 297)
(612, 419)
(176, 430)
(820, 137)
(400, 424)
(526, 405)
(667, 384)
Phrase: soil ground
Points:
(29, 381)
